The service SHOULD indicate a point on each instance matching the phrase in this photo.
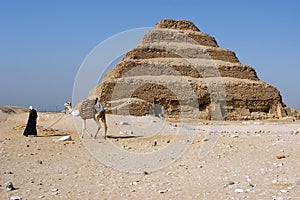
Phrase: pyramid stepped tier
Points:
(184, 71)
(189, 52)
(196, 68)
(169, 90)
(167, 35)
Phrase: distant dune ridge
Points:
(174, 66)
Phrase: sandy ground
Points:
(241, 163)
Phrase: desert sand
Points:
(247, 160)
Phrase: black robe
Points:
(31, 124)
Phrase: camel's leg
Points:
(83, 128)
(97, 116)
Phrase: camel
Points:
(87, 111)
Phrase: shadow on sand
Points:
(53, 135)
(122, 136)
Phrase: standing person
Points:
(31, 123)
(100, 114)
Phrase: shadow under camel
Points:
(122, 136)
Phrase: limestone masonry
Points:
(178, 71)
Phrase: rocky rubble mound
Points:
(178, 71)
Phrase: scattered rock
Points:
(290, 187)
(145, 173)
(231, 183)
(248, 178)
(162, 191)
(239, 190)
(251, 185)
(274, 181)
(280, 157)
(124, 123)
(15, 198)
(134, 183)
(64, 138)
(155, 143)
(10, 187)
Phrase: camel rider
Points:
(100, 114)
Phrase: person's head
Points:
(30, 107)
(96, 100)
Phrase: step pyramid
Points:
(178, 71)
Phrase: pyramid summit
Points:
(178, 71)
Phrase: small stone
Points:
(239, 190)
(283, 191)
(248, 178)
(162, 191)
(274, 181)
(154, 143)
(55, 190)
(134, 183)
(231, 183)
(295, 132)
(205, 140)
(124, 123)
(168, 173)
(280, 157)
(64, 138)
(10, 187)
(251, 185)
(145, 173)
(15, 198)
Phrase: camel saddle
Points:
(87, 109)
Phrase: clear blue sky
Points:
(43, 43)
